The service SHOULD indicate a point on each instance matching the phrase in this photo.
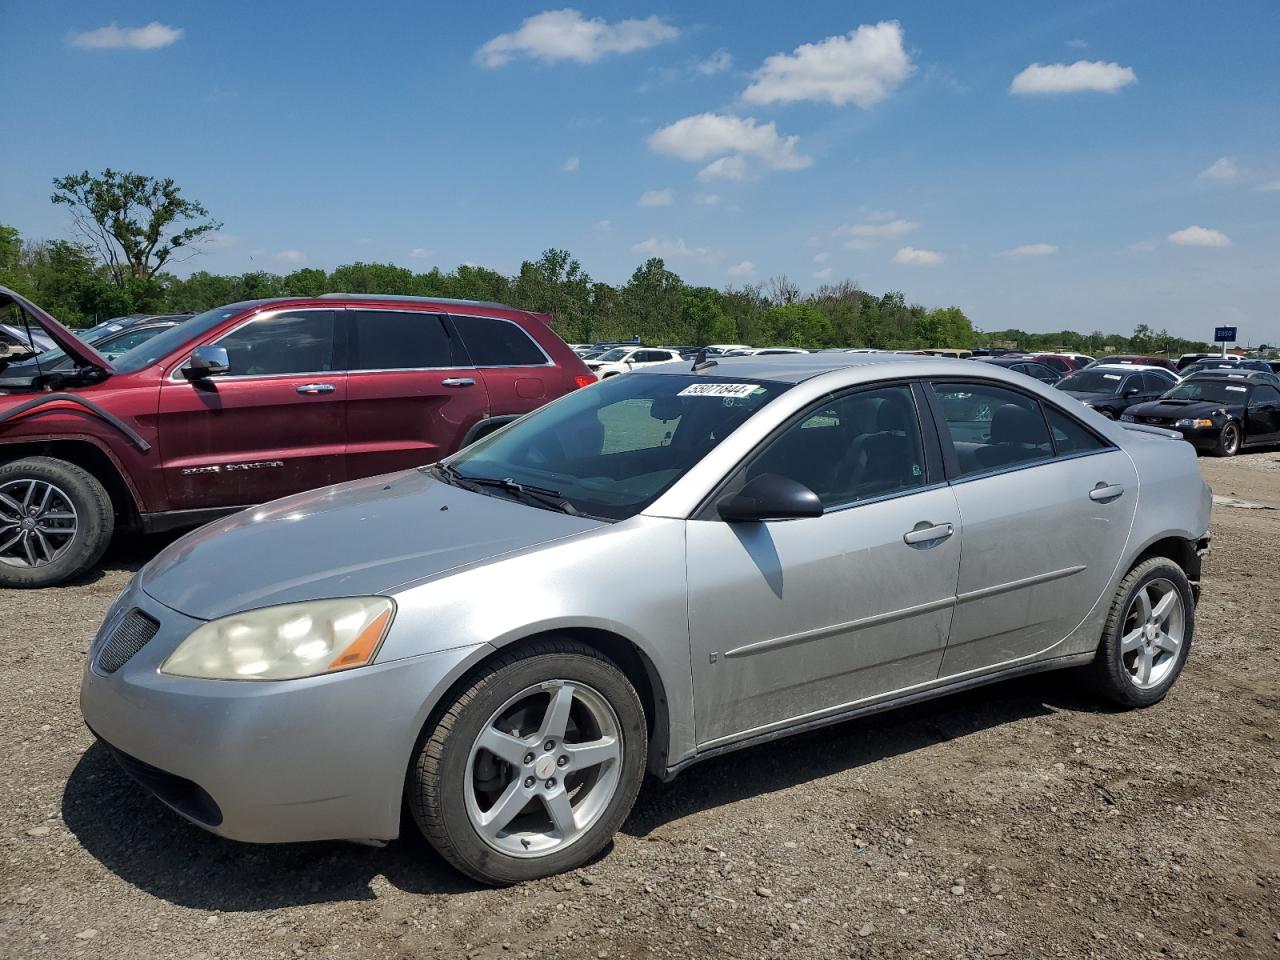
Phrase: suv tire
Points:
(64, 496)
(455, 783)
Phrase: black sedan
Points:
(1111, 390)
(1219, 415)
(1032, 368)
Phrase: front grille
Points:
(1153, 420)
(130, 635)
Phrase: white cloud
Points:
(1194, 236)
(718, 62)
(731, 140)
(220, 241)
(570, 165)
(913, 255)
(114, 37)
(863, 235)
(822, 274)
(1272, 186)
(1081, 76)
(657, 198)
(862, 67)
(733, 167)
(744, 268)
(567, 35)
(706, 199)
(822, 257)
(420, 253)
(673, 250)
(1031, 250)
(291, 256)
(1224, 168)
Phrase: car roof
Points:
(1129, 368)
(798, 367)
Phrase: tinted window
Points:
(864, 445)
(285, 343)
(1041, 372)
(165, 343)
(1070, 436)
(498, 343)
(1092, 381)
(992, 427)
(391, 340)
(1263, 393)
(1155, 383)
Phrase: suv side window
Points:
(992, 427)
(862, 445)
(399, 340)
(498, 343)
(284, 343)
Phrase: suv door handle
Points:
(924, 532)
(457, 382)
(316, 388)
(1106, 491)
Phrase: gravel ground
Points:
(1019, 820)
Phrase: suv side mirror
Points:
(770, 497)
(207, 361)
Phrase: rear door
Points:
(412, 392)
(274, 424)
(1046, 505)
(517, 373)
(1263, 414)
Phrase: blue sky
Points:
(1043, 166)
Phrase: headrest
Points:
(1015, 424)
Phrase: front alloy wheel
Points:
(55, 521)
(38, 522)
(1228, 441)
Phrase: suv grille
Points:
(130, 635)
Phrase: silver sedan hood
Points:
(353, 539)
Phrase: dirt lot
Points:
(1020, 820)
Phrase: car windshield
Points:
(610, 450)
(163, 344)
(48, 358)
(1214, 390)
(617, 353)
(1093, 381)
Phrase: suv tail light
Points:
(583, 381)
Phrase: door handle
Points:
(1106, 491)
(457, 382)
(316, 388)
(925, 532)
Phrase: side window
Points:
(1264, 393)
(285, 343)
(498, 343)
(992, 427)
(399, 340)
(862, 445)
(126, 342)
(1069, 435)
(1155, 383)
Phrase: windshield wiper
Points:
(541, 496)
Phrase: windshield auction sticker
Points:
(719, 390)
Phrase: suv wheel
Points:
(1228, 441)
(533, 767)
(55, 521)
(1147, 635)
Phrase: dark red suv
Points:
(250, 402)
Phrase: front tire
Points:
(1228, 441)
(55, 521)
(535, 765)
(1147, 636)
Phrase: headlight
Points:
(1127, 417)
(285, 642)
(1194, 423)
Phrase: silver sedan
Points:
(648, 572)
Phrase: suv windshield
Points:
(1093, 381)
(610, 450)
(163, 344)
(1215, 390)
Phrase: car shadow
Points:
(149, 846)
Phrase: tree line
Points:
(130, 228)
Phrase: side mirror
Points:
(770, 497)
(1132, 392)
(207, 361)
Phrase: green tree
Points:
(555, 283)
(704, 321)
(136, 223)
(798, 325)
(651, 303)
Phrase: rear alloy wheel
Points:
(1228, 441)
(55, 521)
(1147, 635)
(534, 767)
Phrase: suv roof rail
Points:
(412, 299)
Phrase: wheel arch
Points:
(90, 456)
(1177, 548)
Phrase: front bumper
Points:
(265, 761)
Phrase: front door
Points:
(1046, 516)
(1262, 414)
(274, 424)
(796, 619)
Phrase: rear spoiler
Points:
(1154, 431)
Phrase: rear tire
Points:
(1228, 441)
(1147, 635)
(52, 512)
(494, 801)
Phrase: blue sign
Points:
(1224, 334)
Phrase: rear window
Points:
(498, 343)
